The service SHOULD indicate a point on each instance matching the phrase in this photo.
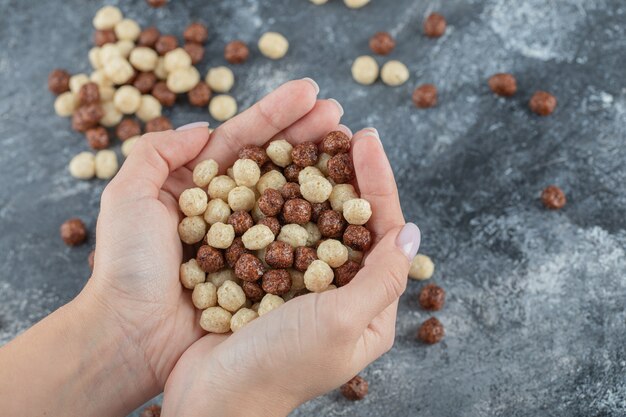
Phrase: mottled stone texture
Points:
(535, 312)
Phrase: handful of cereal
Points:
(285, 221)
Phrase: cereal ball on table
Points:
(73, 232)
(215, 320)
(356, 4)
(220, 79)
(107, 17)
(149, 108)
(365, 70)
(159, 70)
(192, 229)
(118, 70)
(425, 96)
(127, 29)
(97, 137)
(204, 295)
(222, 107)
(272, 179)
(241, 318)
(182, 80)
(432, 297)
(340, 194)
(431, 331)
(316, 190)
(293, 234)
(148, 37)
(112, 116)
(236, 52)
(394, 73)
(127, 129)
(204, 172)
(382, 43)
(249, 267)
(318, 276)
(86, 117)
(94, 58)
(241, 199)
(195, 51)
(221, 186)
(143, 58)
(106, 164)
(434, 25)
(102, 37)
(217, 211)
(193, 201)
(200, 95)
(333, 252)
(279, 151)
(158, 124)
(542, 103)
(258, 237)
(164, 95)
(220, 235)
(165, 43)
(209, 259)
(273, 45)
(77, 81)
(269, 303)
(89, 93)
(176, 59)
(108, 52)
(230, 296)
(503, 84)
(127, 99)
(355, 389)
(246, 172)
(553, 198)
(196, 32)
(83, 166)
(191, 274)
(276, 281)
(422, 267)
(65, 104)
(357, 211)
(59, 81)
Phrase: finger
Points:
(255, 126)
(179, 181)
(318, 122)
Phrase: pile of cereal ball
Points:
(283, 222)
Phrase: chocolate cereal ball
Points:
(382, 43)
(432, 297)
(318, 208)
(434, 25)
(89, 93)
(431, 331)
(253, 291)
(236, 52)
(73, 232)
(234, 252)
(127, 129)
(272, 223)
(276, 281)
(355, 389)
(196, 32)
(291, 172)
(336, 142)
(357, 237)
(209, 259)
(200, 95)
(148, 37)
(256, 153)
(290, 190)
(279, 255)
(153, 410)
(503, 84)
(59, 81)
(166, 43)
(271, 202)
(542, 103)
(425, 96)
(241, 221)
(340, 168)
(304, 154)
(145, 82)
(345, 273)
(102, 37)
(331, 224)
(164, 95)
(97, 137)
(195, 51)
(156, 3)
(303, 257)
(553, 197)
(86, 117)
(297, 210)
(249, 268)
(158, 124)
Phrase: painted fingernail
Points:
(338, 105)
(370, 131)
(315, 85)
(408, 240)
(193, 125)
(345, 130)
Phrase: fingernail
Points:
(370, 131)
(193, 125)
(408, 240)
(312, 81)
(338, 105)
(346, 130)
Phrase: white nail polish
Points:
(193, 125)
(338, 105)
(315, 85)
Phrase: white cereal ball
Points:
(108, 52)
(191, 274)
(127, 99)
(204, 172)
(83, 166)
(293, 234)
(316, 190)
(355, 4)
(422, 267)
(77, 81)
(192, 229)
(215, 320)
(176, 59)
(257, 237)
(230, 296)
(341, 193)
(357, 211)
(221, 186)
(241, 318)
(365, 70)
(100, 78)
(149, 108)
(297, 279)
(159, 69)
(322, 163)
(144, 58)
(269, 303)
(220, 79)
(107, 92)
(308, 173)
(314, 233)
(230, 173)
(319, 2)
(220, 277)
(204, 295)
(222, 107)
(128, 144)
(118, 70)
(318, 276)
(273, 45)
(182, 80)
(333, 252)
(272, 179)
(94, 57)
(106, 164)
(256, 212)
(241, 199)
(279, 151)
(246, 172)
(65, 104)
(112, 116)
(107, 17)
(394, 73)
(193, 202)
(220, 235)
(217, 211)
(125, 47)
(127, 29)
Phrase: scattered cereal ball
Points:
(182, 80)
(204, 172)
(149, 108)
(553, 197)
(144, 58)
(128, 128)
(215, 320)
(346, 272)
(200, 95)
(253, 291)
(222, 107)
(340, 194)
(220, 79)
(83, 166)
(108, 52)
(73, 232)
(333, 252)
(217, 211)
(59, 81)
(293, 234)
(316, 190)
(193, 201)
(276, 281)
(204, 295)
(318, 276)
(279, 254)
(156, 4)
(331, 223)
(65, 104)
(241, 222)
(357, 237)
(230, 296)
(273, 45)
(221, 186)
(127, 99)
(159, 69)
(102, 37)
(432, 297)
(341, 169)
(279, 151)
(192, 229)
(355, 389)
(176, 59)
(357, 211)
(246, 172)
(85, 117)
(158, 124)
(94, 57)
(236, 52)
(434, 25)
(269, 303)
(97, 137)
(118, 70)
(382, 43)
(112, 116)
(365, 70)
(77, 81)
(355, 4)
(431, 331)
(107, 17)
(241, 198)
(297, 211)
(425, 96)
(394, 73)
(314, 233)
(148, 37)
(106, 164)
(241, 318)
(209, 259)
(220, 235)
(100, 78)
(541, 103)
(128, 144)
(249, 268)
(257, 237)
(196, 32)
(218, 278)
(164, 95)
(503, 84)
(88, 94)
(422, 267)
(127, 29)
(272, 179)
(191, 274)
(165, 43)
(106, 95)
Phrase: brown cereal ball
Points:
(297, 210)
(331, 224)
(195, 51)
(253, 291)
(279, 255)
(290, 190)
(256, 153)
(271, 202)
(234, 252)
(425, 96)
(382, 43)
(434, 25)
(196, 32)
(73, 232)
(553, 197)
(249, 268)
(304, 154)
(209, 259)
(340, 168)
(272, 223)
(156, 3)
(336, 142)
(200, 95)
(503, 84)
(86, 117)
(89, 93)
(357, 237)
(345, 273)
(291, 172)
(148, 37)
(166, 43)
(165, 96)
(59, 81)
(431, 331)
(104, 36)
(318, 208)
(236, 52)
(145, 82)
(355, 389)
(432, 297)
(127, 129)
(158, 124)
(241, 222)
(276, 281)
(269, 166)
(97, 137)
(542, 103)
(153, 410)
(303, 257)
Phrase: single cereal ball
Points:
(309, 173)
(249, 267)
(276, 281)
(346, 272)
(165, 43)
(341, 169)
(118, 70)
(236, 52)
(434, 25)
(431, 331)
(125, 46)
(394, 73)
(59, 81)
(290, 190)
(333, 252)
(73, 232)
(222, 107)
(183, 80)
(341, 193)
(220, 235)
(241, 198)
(191, 274)
(158, 124)
(542, 103)
(246, 172)
(425, 96)
(269, 303)
(200, 95)
(209, 259)
(356, 4)
(241, 318)
(112, 116)
(273, 45)
(271, 202)
(164, 95)
(127, 99)
(128, 128)
(149, 108)
(215, 320)
(553, 197)
(319, 2)
(77, 81)
(204, 172)
(303, 257)
(305, 154)
(253, 290)
(107, 17)
(357, 211)
(195, 51)
(108, 52)
(127, 29)
(279, 254)
(196, 32)
(291, 172)
(193, 201)
(357, 237)
(331, 223)
(128, 145)
(148, 37)
(65, 104)
(279, 151)
(503, 84)
(318, 276)
(86, 117)
(255, 153)
(143, 58)
(221, 186)
(234, 252)
(220, 79)
(335, 142)
(293, 234)
(230, 296)
(204, 295)
(432, 297)
(355, 389)
(217, 211)
(89, 93)
(83, 166)
(218, 278)
(192, 229)
(106, 164)
(258, 237)
(422, 267)
(314, 234)
(241, 221)
(176, 59)
(382, 43)
(297, 211)
(156, 4)
(272, 179)
(316, 190)
(106, 95)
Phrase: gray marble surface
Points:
(535, 314)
